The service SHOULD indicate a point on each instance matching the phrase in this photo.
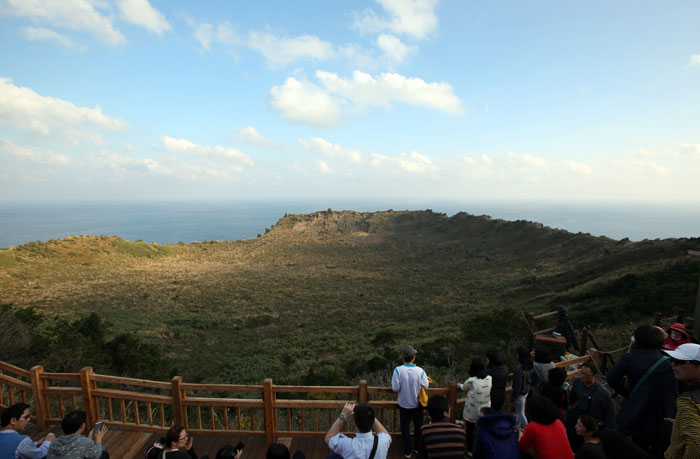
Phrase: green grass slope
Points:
(332, 296)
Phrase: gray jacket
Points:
(74, 446)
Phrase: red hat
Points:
(680, 328)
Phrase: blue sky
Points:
(545, 100)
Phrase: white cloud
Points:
(411, 17)
(33, 154)
(44, 34)
(304, 102)
(140, 12)
(185, 146)
(365, 90)
(414, 163)
(249, 134)
(394, 49)
(122, 163)
(323, 147)
(323, 168)
(25, 109)
(79, 15)
(693, 61)
(279, 51)
(206, 33)
(579, 168)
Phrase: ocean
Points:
(172, 222)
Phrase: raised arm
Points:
(337, 425)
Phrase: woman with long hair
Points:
(587, 428)
(499, 378)
(545, 434)
(178, 444)
(478, 389)
(522, 383)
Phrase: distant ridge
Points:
(276, 304)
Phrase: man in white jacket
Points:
(407, 381)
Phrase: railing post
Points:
(269, 411)
(584, 339)
(452, 390)
(178, 396)
(362, 394)
(89, 405)
(38, 396)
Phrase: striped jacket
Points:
(685, 437)
(443, 439)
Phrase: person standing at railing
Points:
(13, 445)
(407, 380)
(365, 445)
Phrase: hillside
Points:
(332, 296)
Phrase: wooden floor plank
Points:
(123, 444)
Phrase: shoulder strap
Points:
(649, 371)
(374, 447)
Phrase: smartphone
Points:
(239, 446)
(98, 426)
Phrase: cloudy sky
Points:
(170, 99)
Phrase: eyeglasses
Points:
(681, 362)
(185, 437)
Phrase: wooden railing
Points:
(213, 409)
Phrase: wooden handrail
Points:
(15, 382)
(219, 412)
(131, 381)
(13, 369)
(60, 376)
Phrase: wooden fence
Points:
(213, 409)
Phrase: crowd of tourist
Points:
(551, 418)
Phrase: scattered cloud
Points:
(323, 147)
(279, 51)
(414, 163)
(304, 102)
(48, 35)
(206, 33)
(323, 168)
(126, 164)
(249, 134)
(365, 90)
(23, 108)
(185, 146)
(394, 49)
(693, 61)
(79, 15)
(416, 18)
(34, 155)
(141, 13)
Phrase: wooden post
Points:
(89, 405)
(362, 394)
(595, 358)
(37, 394)
(269, 411)
(657, 319)
(680, 317)
(452, 390)
(178, 396)
(584, 339)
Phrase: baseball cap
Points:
(409, 351)
(687, 351)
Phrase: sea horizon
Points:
(201, 220)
